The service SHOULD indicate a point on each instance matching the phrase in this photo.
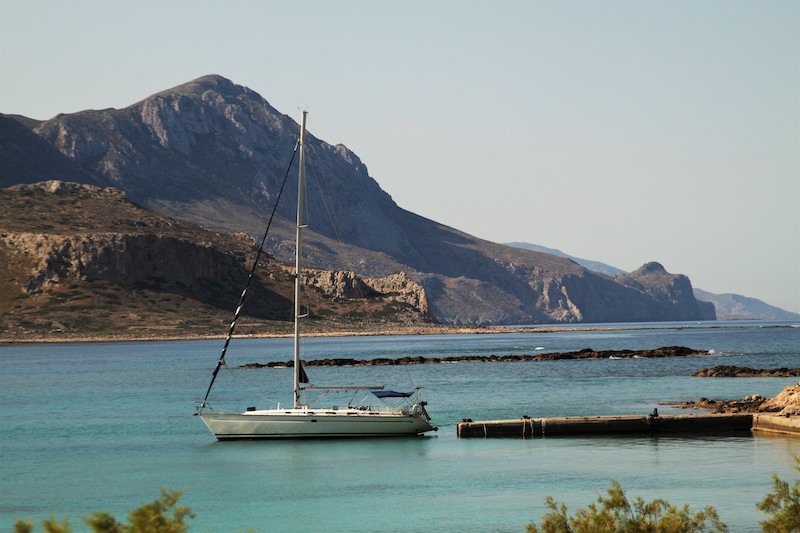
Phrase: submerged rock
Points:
(727, 371)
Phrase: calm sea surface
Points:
(103, 426)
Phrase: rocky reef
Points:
(726, 371)
(588, 353)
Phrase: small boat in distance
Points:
(397, 414)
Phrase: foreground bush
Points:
(161, 516)
(616, 514)
(783, 505)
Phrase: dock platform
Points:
(628, 425)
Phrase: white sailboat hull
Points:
(303, 423)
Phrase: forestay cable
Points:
(239, 307)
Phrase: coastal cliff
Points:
(671, 290)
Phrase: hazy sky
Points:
(624, 131)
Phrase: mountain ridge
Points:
(214, 153)
(595, 266)
(731, 306)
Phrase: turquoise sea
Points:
(103, 426)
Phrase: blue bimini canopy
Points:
(391, 394)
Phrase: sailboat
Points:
(395, 414)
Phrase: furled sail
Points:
(391, 394)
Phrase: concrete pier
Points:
(776, 424)
(627, 425)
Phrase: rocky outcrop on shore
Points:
(748, 404)
(401, 288)
(727, 371)
(787, 403)
(588, 353)
(341, 285)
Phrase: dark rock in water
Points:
(586, 353)
(726, 371)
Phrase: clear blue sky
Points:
(620, 131)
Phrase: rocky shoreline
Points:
(748, 404)
(587, 353)
(787, 403)
(284, 330)
(160, 333)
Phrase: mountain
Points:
(727, 306)
(738, 307)
(26, 157)
(594, 266)
(215, 153)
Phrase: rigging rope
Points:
(239, 307)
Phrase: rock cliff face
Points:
(348, 286)
(671, 290)
(215, 153)
(400, 288)
(121, 258)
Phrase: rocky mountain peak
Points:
(650, 268)
(210, 81)
(670, 289)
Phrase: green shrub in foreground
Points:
(783, 505)
(616, 514)
(161, 516)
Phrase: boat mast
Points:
(301, 189)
